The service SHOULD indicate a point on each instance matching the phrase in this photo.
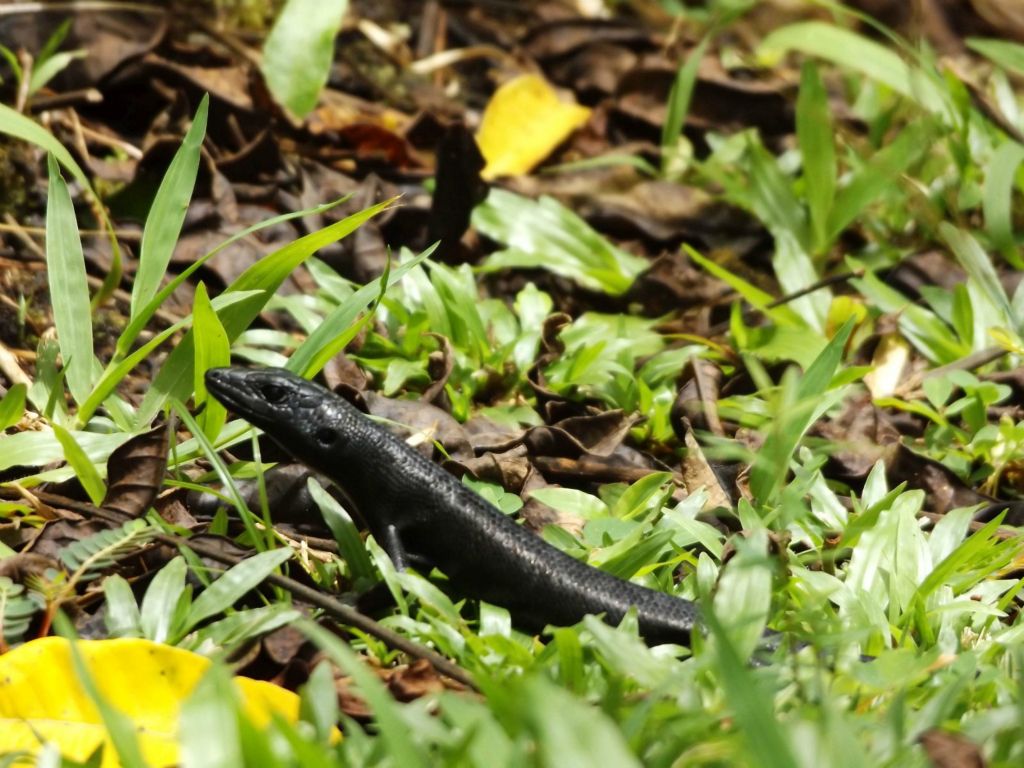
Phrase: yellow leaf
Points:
(41, 697)
(524, 121)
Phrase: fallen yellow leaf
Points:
(41, 697)
(523, 122)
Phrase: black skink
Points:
(422, 516)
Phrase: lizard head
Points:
(304, 418)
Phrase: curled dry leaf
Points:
(135, 472)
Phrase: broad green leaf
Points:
(772, 197)
(50, 67)
(929, 335)
(36, 449)
(167, 213)
(122, 617)
(12, 407)
(544, 234)
(69, 289)
(84, 469)
(817, 147)
(1003, 52)
(213, 350)
(744, 593)
(210, 733)
(978, 266)
(234, 583)
(160, 604)
(752, 707)
(298, 52)
(569, 732)
(176, 377)
(854, 53)
(997, 200)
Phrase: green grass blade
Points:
(140, 319)
(298, 51)
(69, 289)
(679, 103)
(817, 146)
(979, 268)
(852, 52)
(878, 175)
(114, 374)
(167, 213)
(84, 469)
(757, 298)
(1004, 53)
(339, 328)
(176, 377)
(12, 407)
(752, 708)
(793, 420)
(160, 603)
(119, 727)
(393, 729)
(997, 199)
(213, 350)
(234, 583)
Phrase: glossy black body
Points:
(425, 517)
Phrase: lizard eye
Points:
(326, 436)
(273, 393)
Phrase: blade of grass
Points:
(339, 327)
(1004, 53)
(393, 729)
(997, 199)
(753, 710)
(757, 298)
(167, 213)
(12, 407)
(817, 146)
(139, 321)
(679, 103)
(114, 374)
(213, 350)
(791, 422)
(176, 377)
(69, 289)
(234, 584)
(878, 175)
(15, 124)
(852, 52)
(979, 268)
(84, 469)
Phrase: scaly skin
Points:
(424, 517)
